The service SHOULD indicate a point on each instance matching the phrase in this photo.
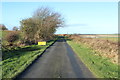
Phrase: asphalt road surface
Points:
(58, 61)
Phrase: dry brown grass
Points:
(104, 47)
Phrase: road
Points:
(58, 61)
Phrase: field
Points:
(105, 47)
(99, 65)
(109, 37)
(113, 39)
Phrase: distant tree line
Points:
(41, 26)
(3, 27)
(15, 28)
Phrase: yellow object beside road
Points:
(42, 43)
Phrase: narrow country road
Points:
(58, 61)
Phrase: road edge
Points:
(17, 76)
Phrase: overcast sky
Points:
(80, 17)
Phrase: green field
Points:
(14, 62)
(100, 66)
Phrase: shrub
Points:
(12, 37)
(41, 26)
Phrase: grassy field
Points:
(100, 66)
(114, 39)
(110, 37)
(14, 62)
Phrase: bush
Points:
(41, 26)
(12, 37)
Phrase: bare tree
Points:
(48, 21)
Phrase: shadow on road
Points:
(63, 39)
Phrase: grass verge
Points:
(100, 66)
(18, 60)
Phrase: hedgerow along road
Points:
(58, 61)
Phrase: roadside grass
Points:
(100, 66)
(0, 34)
(14, 62)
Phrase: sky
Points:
(80, 17)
